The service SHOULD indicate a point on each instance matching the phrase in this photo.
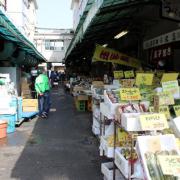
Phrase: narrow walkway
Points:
(59, 148)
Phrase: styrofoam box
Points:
(130, 121)
(96, 122)
(111, 106)
(107, 171)
(167, 142)
(108, 151)
(95, 130)
(122, 163)
(105, 111)
(176, 126)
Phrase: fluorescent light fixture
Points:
(123, 33)
(105, 45)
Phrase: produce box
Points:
(131, 122)
(77, 89)
(30, 109)
(122, 163)
(30, 105)
(82, 98)
(30, 102)
(97, 84)
(107, 171)
(147, 146)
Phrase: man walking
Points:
(42, 88)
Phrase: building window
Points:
(54, 45)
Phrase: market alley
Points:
(61, 147)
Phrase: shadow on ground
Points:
(61, 147)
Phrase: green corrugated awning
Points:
(9, 32)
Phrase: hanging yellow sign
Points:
(130, 94)
(118, 74)
(170, 164)
(151, 122)
(177, 110)
(127, 83)
(144, 78)
(109, 55)
(165, 110)
(129, 74)
(169, 77)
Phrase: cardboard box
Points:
(30, 102)
(82, 98)
(30, 109)
(98, 84)
(78, 89)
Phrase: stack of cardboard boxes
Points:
(25, 89)
(30, 105)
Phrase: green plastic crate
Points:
(81, 105)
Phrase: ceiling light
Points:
(123, 33)
(105, 45)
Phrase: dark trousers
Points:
(44, 103)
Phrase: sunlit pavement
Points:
(61, 147)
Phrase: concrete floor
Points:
(61, 147)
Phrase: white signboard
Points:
(163, 39)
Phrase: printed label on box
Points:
(151, 122)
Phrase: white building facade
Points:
(78, 7)
(53, 43)
(23, 15)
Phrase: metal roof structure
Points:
(103, 19)
(9, 32)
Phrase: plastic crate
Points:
(11, 119)
(81, 105)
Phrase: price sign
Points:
(172, 87)
(127, 83)
(169, 77)
(144, 78)
(118, 74)
(129, 74)
(165, 110)
(150, 122)
(170, 164)
(130, 94)
(165, 98)
(177, 110)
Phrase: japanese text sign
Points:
(109, 55)
(170, 164)
(165, 98)
(151, 122)
(172, 87)
(169, 77)
(118, 74)
(177, 110)
(127, 83)
(129, 74)
(130, 94)
(144, 78)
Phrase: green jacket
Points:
(42, 84)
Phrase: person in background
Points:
(42, 87)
